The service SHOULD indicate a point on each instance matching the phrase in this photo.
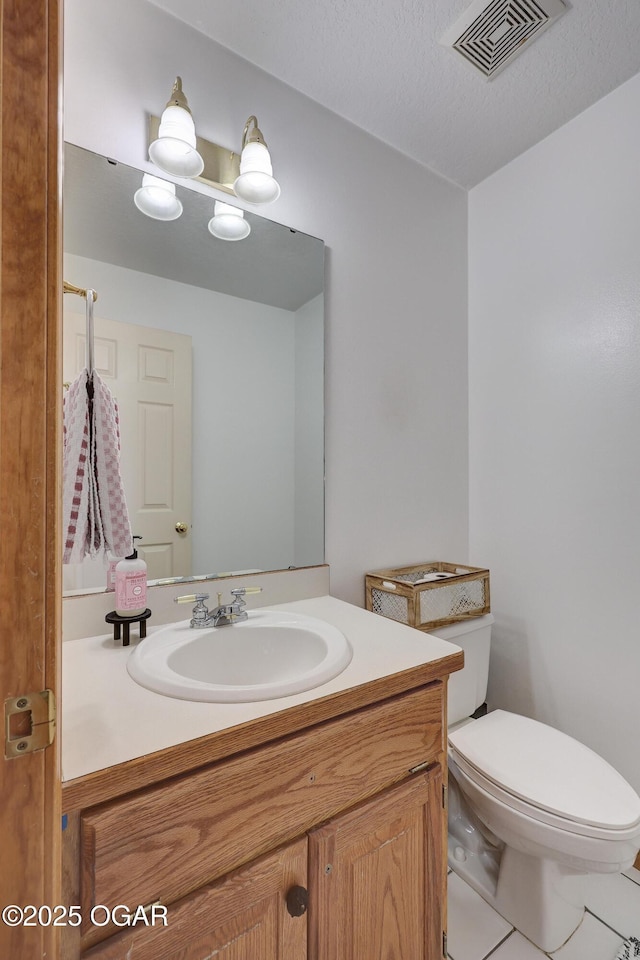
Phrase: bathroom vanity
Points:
(307, 827)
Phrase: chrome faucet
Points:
(222, 615)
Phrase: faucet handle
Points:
(192, 598)
(239, 593)
(238, 604)
(200, 612)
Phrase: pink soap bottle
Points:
(131, 585)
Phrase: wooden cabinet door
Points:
(242, 917)
(376, 877)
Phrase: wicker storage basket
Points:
(429, 595)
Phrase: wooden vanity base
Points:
(346, 815)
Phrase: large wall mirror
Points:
(214, 351)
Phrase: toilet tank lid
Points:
(547, 769)
(470, 625)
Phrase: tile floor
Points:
(476, 931)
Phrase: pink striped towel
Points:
(95, 514)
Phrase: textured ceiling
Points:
(379, 64)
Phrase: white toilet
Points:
(532, 812)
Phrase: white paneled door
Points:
(149, 373)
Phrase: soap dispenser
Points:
(131, 585)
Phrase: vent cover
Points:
(489, 35)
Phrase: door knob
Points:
(297, 901)
(182, 527)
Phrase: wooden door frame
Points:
(30, 392)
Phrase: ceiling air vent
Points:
(489, 35)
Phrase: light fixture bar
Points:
(221, 165)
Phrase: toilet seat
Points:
(546, 775)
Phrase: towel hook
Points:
(90, 297)
(80, 291)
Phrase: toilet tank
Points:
(468, 687)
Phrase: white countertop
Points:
(107, 718)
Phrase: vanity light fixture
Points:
(177, 150)
(157, 198)
(174, 149)
(256, 183)
(228, 223)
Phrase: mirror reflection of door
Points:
(149, 373)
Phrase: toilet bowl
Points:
(533, 813)
(550, 810)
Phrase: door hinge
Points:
(444, 796)
(29, 723)
(444, 943)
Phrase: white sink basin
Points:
(272, 654)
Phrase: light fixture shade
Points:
(157, 199)
(228, 223)
(256, 183)
(175, 149)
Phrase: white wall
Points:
(554, 341)
(396, 380)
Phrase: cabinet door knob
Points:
(297, 901)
